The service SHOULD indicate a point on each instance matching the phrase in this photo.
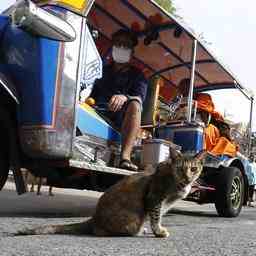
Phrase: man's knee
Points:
(134, 107)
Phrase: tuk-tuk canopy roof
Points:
(170, 54)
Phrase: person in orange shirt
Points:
(216, 141)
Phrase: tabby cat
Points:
(124, 207)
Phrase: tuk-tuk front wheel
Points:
(4, 167)
(230, 192)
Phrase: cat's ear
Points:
(175, 154)
(201, 155)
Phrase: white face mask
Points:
(121, 54)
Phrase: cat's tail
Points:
(82, 228)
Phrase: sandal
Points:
(128, 165)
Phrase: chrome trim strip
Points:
(80, 68)
(9, 91)
(98, 168)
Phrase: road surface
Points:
(195, 230)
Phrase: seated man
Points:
(122, 89)
(216, 141)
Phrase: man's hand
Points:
(116, 102)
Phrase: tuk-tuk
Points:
(52, 51)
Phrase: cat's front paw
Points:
(162, 232)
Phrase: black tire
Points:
(5, 126)
(230, 192)
(4, 167)
(4, 149)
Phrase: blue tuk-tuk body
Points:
(47, 93)
(47, 128)
(35, 67)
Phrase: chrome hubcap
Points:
(235, 195)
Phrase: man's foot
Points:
(128, 165)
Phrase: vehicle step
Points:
(98, 168)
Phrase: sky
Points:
(5, 3)
(230, 28)
(229, 25)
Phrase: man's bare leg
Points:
(130, 128)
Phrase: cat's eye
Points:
(193, 169)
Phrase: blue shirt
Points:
(128, 81)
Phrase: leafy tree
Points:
(167, 5)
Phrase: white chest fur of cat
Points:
(123, 209)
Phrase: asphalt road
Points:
(195, 230)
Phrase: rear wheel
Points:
(7, 109)
(4, 149)
(4, 167)
(230, 192)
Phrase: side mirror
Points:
(37, 21)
